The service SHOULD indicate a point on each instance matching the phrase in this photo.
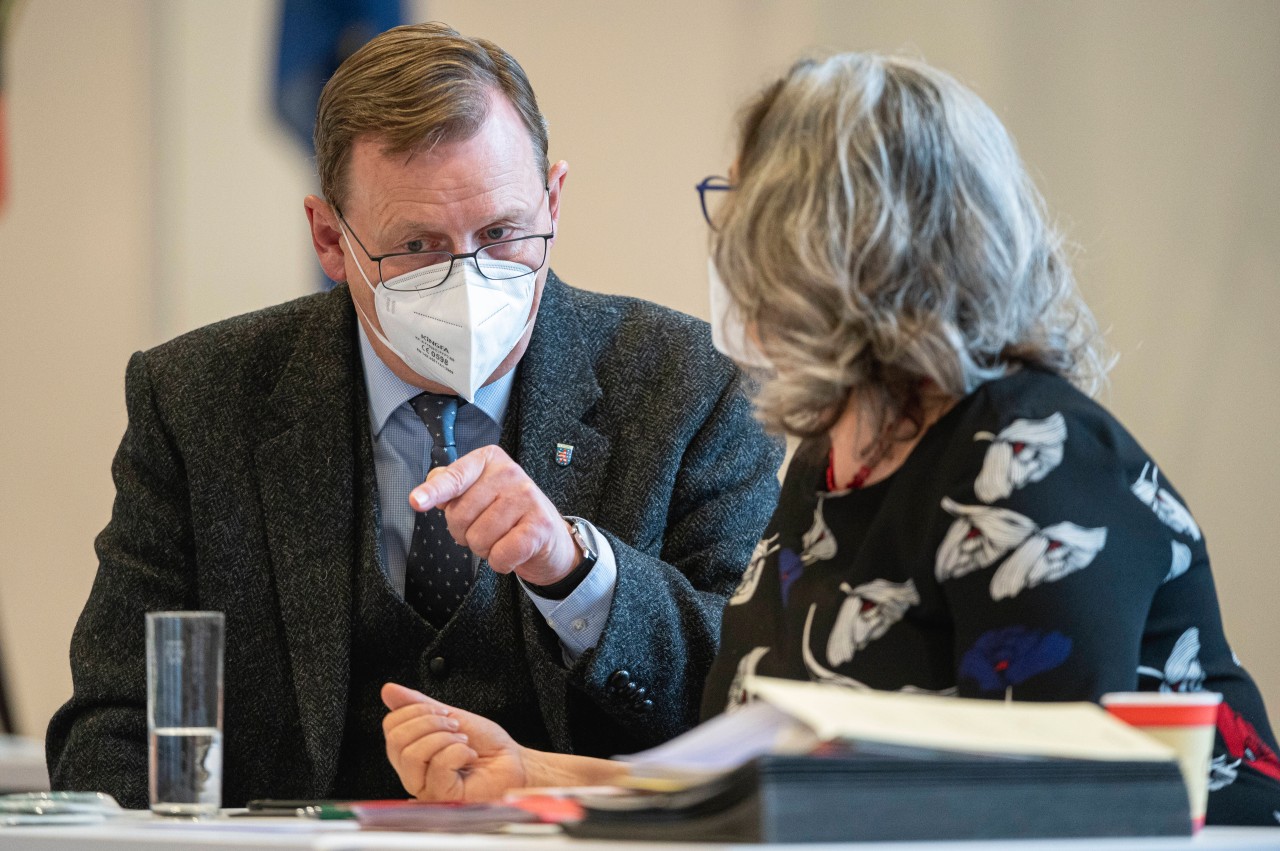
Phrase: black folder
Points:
(857, 797)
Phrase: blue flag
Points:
(315, 37)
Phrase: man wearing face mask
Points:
(453, 471)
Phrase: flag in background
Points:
(315, 36)
(6, 18)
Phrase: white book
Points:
(790, 716)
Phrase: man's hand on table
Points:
(442, 753)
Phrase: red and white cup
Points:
(1185, 721)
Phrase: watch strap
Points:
(564, 587)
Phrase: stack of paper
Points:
(813, 762)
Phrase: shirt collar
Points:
(387, 391)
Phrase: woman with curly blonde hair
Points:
(960, 516)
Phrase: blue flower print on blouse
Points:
(790, 566)
(1002, 658)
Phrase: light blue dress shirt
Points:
(402, 457)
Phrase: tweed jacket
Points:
(245, 484)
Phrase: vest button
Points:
(619, 680)
(438, 666)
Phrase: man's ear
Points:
(326, 237)
(556, 175)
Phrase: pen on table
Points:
(301, 808)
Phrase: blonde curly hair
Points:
(883, 232)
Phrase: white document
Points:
(727, 741)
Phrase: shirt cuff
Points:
(579, 618)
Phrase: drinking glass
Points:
(184, 712)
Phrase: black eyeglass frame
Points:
(453, 258)
(714, 183)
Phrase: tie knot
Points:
(438, 413)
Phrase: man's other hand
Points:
(446, 754)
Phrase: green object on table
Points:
(327, 810)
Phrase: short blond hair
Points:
(883, 232)
(414, 87)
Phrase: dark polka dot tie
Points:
(437, 570)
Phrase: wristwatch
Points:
(563, 588)
(582, 537)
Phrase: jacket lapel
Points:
(555, 392)
(307, 476)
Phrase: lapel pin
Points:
(564, 454)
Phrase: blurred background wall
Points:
(153, 191)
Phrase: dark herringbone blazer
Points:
(245, 484)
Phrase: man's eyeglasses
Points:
(711, 194)
(497, 261)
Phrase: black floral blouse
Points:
(1027, 547)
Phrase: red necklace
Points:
(859, 478)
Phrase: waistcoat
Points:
(476, 662)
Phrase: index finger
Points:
(446, 483)
(395, 696)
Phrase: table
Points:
(143, 832)
(22, 766)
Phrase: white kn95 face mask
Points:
(457, 332)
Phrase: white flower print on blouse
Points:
(819, 673)
(1222, 773)
(751, 576)
(1024, 452)
(1048, 555)
(1181, 561)
(1166, 506)
(818, 544)
(1182, 671)
(746, 668)
(979, 537)
(866, 614)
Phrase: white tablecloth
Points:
(142, 832)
